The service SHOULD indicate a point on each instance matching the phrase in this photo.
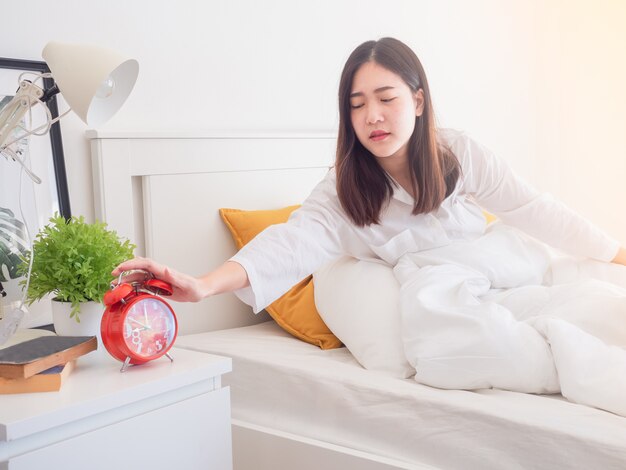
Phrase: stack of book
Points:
(41, 364)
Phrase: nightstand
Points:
(160, 415)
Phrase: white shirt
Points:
(320, 230)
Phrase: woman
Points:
(411, 195)
(399, 185)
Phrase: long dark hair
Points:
(362, 185)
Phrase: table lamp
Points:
(94, 81)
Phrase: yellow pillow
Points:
(295, 311)
(489, 217)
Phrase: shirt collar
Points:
(400, 193)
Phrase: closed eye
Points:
(387, 100)
(356, 106)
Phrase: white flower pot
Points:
(90, 316)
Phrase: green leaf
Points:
(73, 261)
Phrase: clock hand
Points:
(145, 314)
(145, 327)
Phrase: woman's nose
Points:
(374, 114)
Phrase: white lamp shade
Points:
(94, 81)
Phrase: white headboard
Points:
(163, 192)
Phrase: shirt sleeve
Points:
(497, 189)
(284, 254)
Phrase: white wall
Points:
(541, 82)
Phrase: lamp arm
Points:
(35, 131)
(26, 96)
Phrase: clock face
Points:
(149, 327)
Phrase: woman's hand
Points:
(620, 258)
(228, 277)
(185, 288)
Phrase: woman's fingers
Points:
(170, 276)
(139, 263)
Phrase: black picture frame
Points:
(56, 142)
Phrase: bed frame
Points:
(163, 192)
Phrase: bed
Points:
(293, 404)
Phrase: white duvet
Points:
(503, 312)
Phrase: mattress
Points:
(288, 385)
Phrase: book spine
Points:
(49, 380)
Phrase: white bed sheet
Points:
(288, 385)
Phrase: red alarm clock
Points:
(138, 325)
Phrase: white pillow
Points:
(359, 301)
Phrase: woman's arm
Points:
(503, 193)
(228, 277)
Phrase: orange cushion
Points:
(295, 311)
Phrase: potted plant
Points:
(73, 260)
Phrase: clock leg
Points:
(126, 363)
(169, 357)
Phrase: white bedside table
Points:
(160, 415)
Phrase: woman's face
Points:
(383, 111)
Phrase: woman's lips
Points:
(378, 135)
